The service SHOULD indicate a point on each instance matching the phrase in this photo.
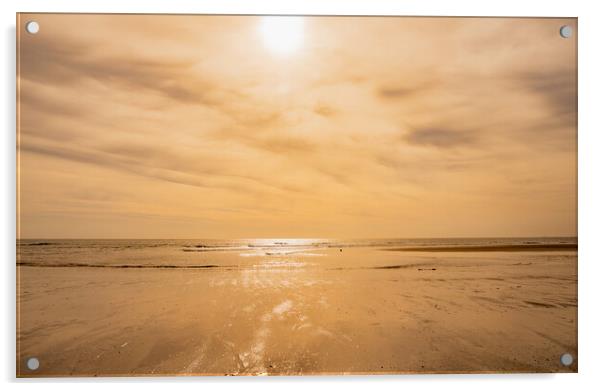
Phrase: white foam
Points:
(283, 307)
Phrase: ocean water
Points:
(209, 253)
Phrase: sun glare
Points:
(282, 34)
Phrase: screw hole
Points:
(32, 27)
(33, 364)
(566, 359)
(566, 31)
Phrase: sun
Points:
(282, 35)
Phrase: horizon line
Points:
(307, 237)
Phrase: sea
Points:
(208, 253)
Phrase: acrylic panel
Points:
(289, 195)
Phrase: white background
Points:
(590, 191)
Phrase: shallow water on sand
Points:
(212, 252)
(293, 308)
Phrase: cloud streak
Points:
(168, 126)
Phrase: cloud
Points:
(325, 110)
(191, 119)
(558, 89)
(67, 61)
(397, 90)
(441, 137)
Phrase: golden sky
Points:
(140, 126)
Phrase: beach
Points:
(324, 310)
(277, 195)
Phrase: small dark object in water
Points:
(39, 244)
(341, 250)
(426, 269)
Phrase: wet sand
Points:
(497, 248)
(357, 311)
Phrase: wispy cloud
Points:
(156, 120)
(441, 137)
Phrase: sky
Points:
(165, 126)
